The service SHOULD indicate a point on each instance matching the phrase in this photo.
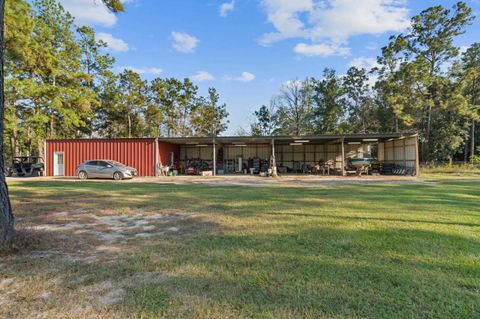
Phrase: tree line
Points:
(421, 83)
(60, 82)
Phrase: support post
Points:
(274, 160)
(417, 160)
(343, 156)
(384, 151)
(472, 142)
(45, 155)
(394, 153)
(156, 157)
(214, 159)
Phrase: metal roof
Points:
(313, 139)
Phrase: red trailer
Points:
(145, 154)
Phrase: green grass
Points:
(148, 299)
(386, 250)
(465, 170)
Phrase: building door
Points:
(58, 160)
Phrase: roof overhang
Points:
(314, 139)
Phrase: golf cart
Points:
(24, 166)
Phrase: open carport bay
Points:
(378, 154)
(393, 154)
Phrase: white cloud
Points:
(244, 77)
(284, 16)
(371, 46)
(184, 42)
(141, 71)
(114, 44)
(345, 18)
(202, 76)
(226, 7)
(332, 21)
(363, 62)
(321, 49)
(90, 12)
(291, 84)
(368, 64)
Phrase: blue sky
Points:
(248, 48)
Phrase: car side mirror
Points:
(109, 166)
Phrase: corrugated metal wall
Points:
(138, 153)
(286, 155)
(164, 152)
(251, 151)
(309, 154)
(193, 151)
(400, 151)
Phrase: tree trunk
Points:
(395, 120)
(6, 216)
(40, 148)
(14, 148)
(184, 129)
(427, 135)
(129, 125)
(472, 142)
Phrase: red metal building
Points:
(63, 156)
(394, 151)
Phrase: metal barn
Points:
(393, 153)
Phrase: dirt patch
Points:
(256, 181)
(93, 236)
(109, 293)
(5, 283)
(111, 298)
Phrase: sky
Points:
(247, 49)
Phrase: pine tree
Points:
(329, 103)
(360, 107)
(18, 49)
(469, 80)
(264, 121)
(132, 102)
(208, 116)
(426, 48)
(6, 215)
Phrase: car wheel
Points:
(82, 175)
(117, 176)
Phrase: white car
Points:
(105, 169)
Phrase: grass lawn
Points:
(381, 250)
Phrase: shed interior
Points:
(333, 154)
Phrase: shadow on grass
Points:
(331, 272)
(396, 220)
(244, 200)
(282, 257)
